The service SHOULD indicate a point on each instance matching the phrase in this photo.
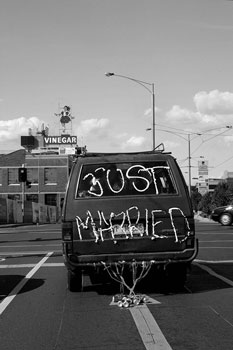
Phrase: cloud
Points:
(178, 114)
(228, 140)
(170, 145)
(214, 102)
(12, 129)
(148, 111)
(94, 127)
(121, 135)
(134, 142)
(211, 109)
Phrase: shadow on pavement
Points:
(9, 282)
(198, 281)
(202, 281)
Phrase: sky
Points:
(56, 52)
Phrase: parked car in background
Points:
(223, 215)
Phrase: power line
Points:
(204, 132)
(225, 161)
(213, 136)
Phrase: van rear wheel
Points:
(75, 281)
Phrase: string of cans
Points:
(116, 271)
(126, 301)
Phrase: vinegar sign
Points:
(60, 140)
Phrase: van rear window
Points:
(125, 179)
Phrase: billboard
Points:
(203, 169)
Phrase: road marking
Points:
(217, 241)
(151, 300)
(20, 285)
(151, 334)
(223, 318)
(214, 233)
(19, 254)
(19, 266)
(214, 261)
(30, 245)
(215, 247)
(212, 273)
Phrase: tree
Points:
(195, 198)
(205, 205)
(222, 195)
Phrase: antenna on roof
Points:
(160, 148)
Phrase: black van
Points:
(127, 208)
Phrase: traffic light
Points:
(28, 184)
(22, 174)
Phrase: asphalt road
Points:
(38, 312)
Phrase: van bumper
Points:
(73, 261)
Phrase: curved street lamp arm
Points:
(151, 91)
(141, 82)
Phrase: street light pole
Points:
(153, 114)
(151, 90)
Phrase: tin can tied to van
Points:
(125, 301)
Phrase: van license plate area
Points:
(128, 231)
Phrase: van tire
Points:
(74, 281)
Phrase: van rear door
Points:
(129, 207)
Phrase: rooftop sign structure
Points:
(66, 118)
(60, 140)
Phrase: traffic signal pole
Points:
(23, 190)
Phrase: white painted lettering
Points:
(127, 224)
(141, 168)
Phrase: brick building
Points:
(47, 171)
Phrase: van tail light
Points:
(67, 231)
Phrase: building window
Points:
(32, 175)
(13, 177)
(50, 176)
(51, 199)
(14, 197)
(1, 177)
(32, 198)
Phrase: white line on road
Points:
(29, 245)
(214, 233)
(215, 247)
(214, 261)
(217, 241)
(20, 285)
(20, 266)
(151, 334)
(20, 254)
(212, 273)
(149, 331)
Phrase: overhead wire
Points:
(196, 134)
